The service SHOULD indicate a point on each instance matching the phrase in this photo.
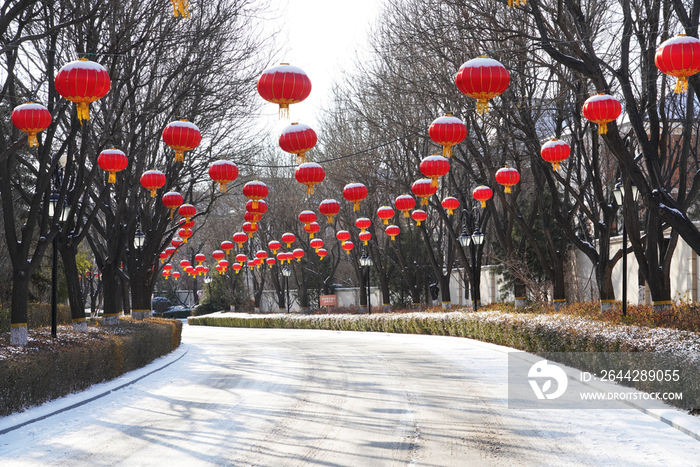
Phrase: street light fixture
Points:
(286, 272)
(366, 262)
(620, 194)
(139, 238)
(470, 221)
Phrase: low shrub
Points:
(38, 315)
(50, 368)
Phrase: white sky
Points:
(321, 37)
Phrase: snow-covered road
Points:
(270, 397)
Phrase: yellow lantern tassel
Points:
(450, 212)
(320, 257)
(424, 201)
(153, 195)
(301, 158)
(393, 237)
(365, 242)
(171, 214)
(185, 239)
(311, 236)
(175, 277)
(386, 221)
(356, 207)
(83, 111)
(434, 181)
(162, 260)
(417, 223)
(222, 187)
(405, 214)
(602, 129)
(447, 151)
(309, 189)
(270, 266)
(112, 178)
(255, 204)
(555, 166)
(32, 140)
(514, 3)
(181, 8)
(179, 156)
(284, 112)
(330, 219)
(482, 106)
(507, 190)
(681, 85)
(483, 204)
(348, 252)
(250, 235)
(298, 260)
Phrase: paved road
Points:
(293, 398)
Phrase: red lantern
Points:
(260, 208)
(679, 57)
(241, 258)
(508, 177)
(312, 228)
(348, 246)
(298, 139)
(298, 254)
(184, 264)
(555, 151)
(309, 174)
(31, 118)
(168, 267)
(316, 243)
(274, 245)
(393, 231)
(172, 200)
(170, 251)
(251, 217)
(342, 235)
(434, 167)
(322, 253)
(176, 275)
(199, 269)
(152, 180)
(223, 263)
(223, 172)
(270, 262)
(218, 255)
(250, 228)
(185, 224)
(82, 82)
(185, 234)
(237, 267)
(240, 238)
(385, 213)
(187, 211)
(205, 270)
(450, 203)
(307, 217)
(363, 223)
(166, 274)
(329, 208)
(602, 109)
(424, 189)
(288, 238)
(281, 257)
(482, 193)
(200, 258)
(163, 256)
(447, 131)
(405, 203)
(483, 79)
(365, 237)
(227, 246)
(255, 191)
(354, 193)
(181, 136)
(419, 216)
(112, 161)
(176, 242)
(283, 85)
(261, 254)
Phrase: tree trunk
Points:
(18, 312)
(141, 291)
(520, 292)
(386, 294)
(558, 287)
(444, 281)
(112, 294)
(76, 298)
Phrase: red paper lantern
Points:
(365, 237)
(184, 264)
(170, 251)
(316, 243)
(342, 235)
(555, 151)
(152, 180)
(252, 263)
(483, 79)
(298, 139)
(223, 172)
(260, 208)
(262, 254)
(385, 213)
(237, 267)
(255, 191)
(176, 242)
(274, 245)
(175, 275)
(419, 216)
(283, 85)
(307, 217)
(200, 258)
(329, 208)
(354, 193)
(187, 211)
(288, 238)
(163, 256)
(424, 189)
(393, 231)
(172, 200)
(508, 177)
(250, 228)
(253, 218)
(405, 203)
(166, 274)
(482, 193)
(447, 131)
(168, 267)
(82, 82)
(322, 253)
(199, 269)
(31, 118)
(185, 224)
(282, 257)
(240, 238)
(680, 57)
(112, 161)
(270, 262)
(218, 255)
(347, 246)
(224, 264)
(434, 167)
(298, 254)
(227, 246)
(602, 109)
(363, 223)
(181, 136)
(205, 270)
(241, 258)
(450, 203)
(184, 234)
(309, 174)
(312, 228)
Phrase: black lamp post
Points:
(620, 194)
(473, 241)
(366, 262)
(63, 212)
(286, 272)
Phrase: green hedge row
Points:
(48, 369)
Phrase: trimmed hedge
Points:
(50, 368)
(38, 315)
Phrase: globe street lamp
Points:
(620, 194)
(286, 272)
(366, 262)
(139, 238)
(470, 221)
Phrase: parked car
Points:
(178, 311)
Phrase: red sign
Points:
(329, 300)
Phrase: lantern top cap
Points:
(449, 118)
(284, 68)
(482, 61)
(83, 64)
(31, 105)
(183, 123)
(296, 128)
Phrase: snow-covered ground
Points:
(276, 397)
